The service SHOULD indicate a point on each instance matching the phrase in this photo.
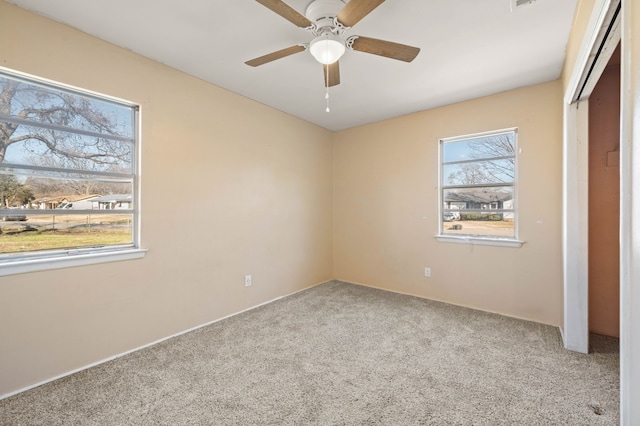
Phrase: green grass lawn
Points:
(13, 241)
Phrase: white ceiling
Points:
(470, 48)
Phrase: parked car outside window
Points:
(14, 217)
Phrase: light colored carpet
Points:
(341, 354)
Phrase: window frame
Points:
(513, 241)
(31, 261)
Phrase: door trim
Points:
(600, 40)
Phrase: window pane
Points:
(468, 211)
(55, 106)
(78, 194)
(487, 224)
(491, 146)
(43, 192)
(38, 233)
(67, 169)
(479, 172)
(59, 149)
(493, 198)
(477, 185)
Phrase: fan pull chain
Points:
(326, 96)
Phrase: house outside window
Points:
(64, 155)
(478, 187)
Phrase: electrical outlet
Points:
(427, 272)
(247, 280)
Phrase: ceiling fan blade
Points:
(388, 49)
(355, 10)
(275, 55)
(287, 12)
(333, 79)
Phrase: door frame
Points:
(575, 244)
(601, 38)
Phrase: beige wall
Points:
(229, 187)
(386, 212)
(604, 202)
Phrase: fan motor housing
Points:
(319, 9)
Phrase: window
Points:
(67, 172)
(478, 188)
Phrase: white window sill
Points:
(69, 261)
(480, 241)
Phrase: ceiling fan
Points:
(327, 20)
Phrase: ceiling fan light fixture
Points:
(327, 48)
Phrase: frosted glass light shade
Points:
(327, 48)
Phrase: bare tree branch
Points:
(495, 162)
(63, 109)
